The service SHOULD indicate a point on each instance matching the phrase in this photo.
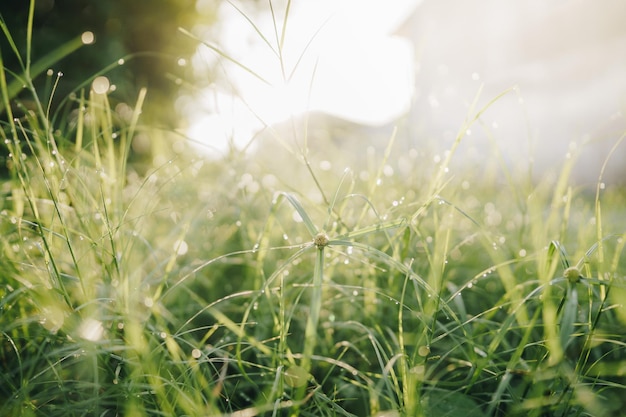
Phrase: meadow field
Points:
(296, 279)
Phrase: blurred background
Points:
(361, 69)
(142, 33)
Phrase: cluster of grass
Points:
(235, 287)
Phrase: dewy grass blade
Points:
(555, 245)
(380, 313)
(41, 65)
(301, 212)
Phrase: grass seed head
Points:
(321, 240)
(572, 274)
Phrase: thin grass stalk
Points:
(598, 211)
(311, 329)
(53, 270)
(29, 38)
(410, 371)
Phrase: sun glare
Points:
(338, 57)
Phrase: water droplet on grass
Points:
(91, 330)
(87, 38)
(100, 85)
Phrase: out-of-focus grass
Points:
(232, 286)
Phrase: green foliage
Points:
(230, 287)
(144, 36)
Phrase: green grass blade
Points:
(41, 65)
(301, 212)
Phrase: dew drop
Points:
(91, 330)
(87, 38)
(100, 85)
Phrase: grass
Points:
(230, 287)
